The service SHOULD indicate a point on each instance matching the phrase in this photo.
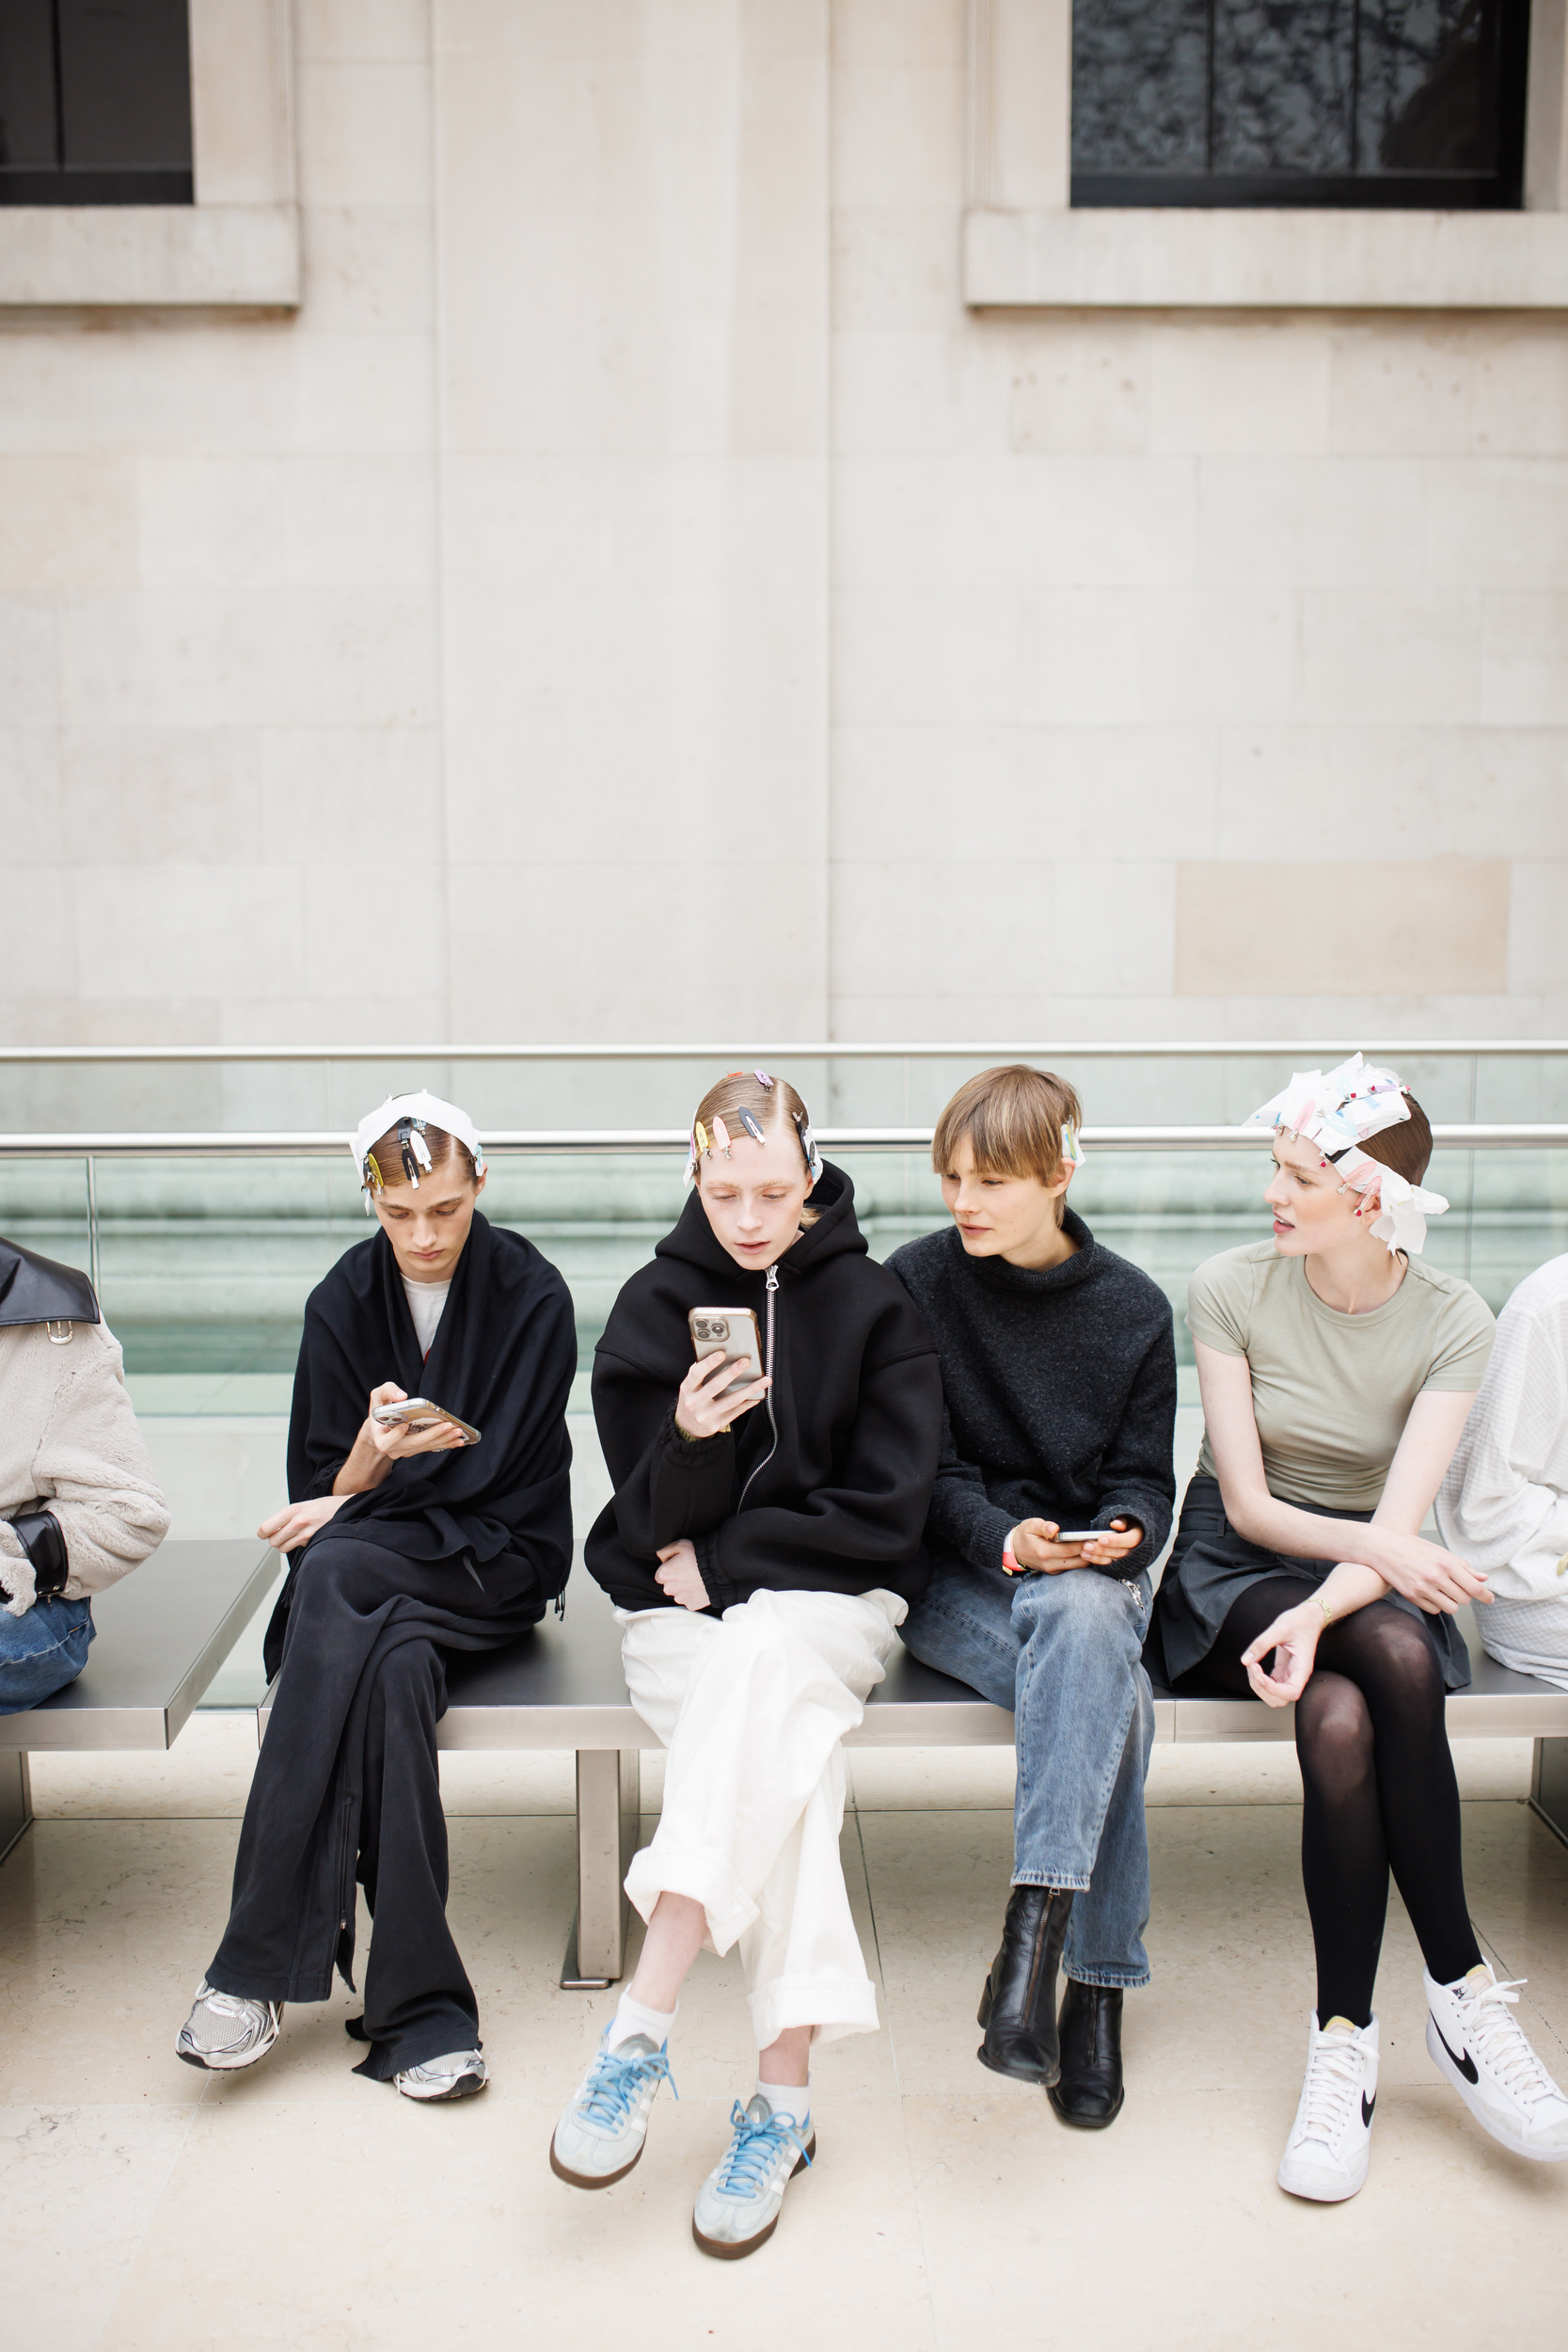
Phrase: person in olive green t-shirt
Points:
(1337, 1373)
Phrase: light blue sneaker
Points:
(600, 2136)
(738, 2204)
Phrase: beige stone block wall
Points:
(635, 596)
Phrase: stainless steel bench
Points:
(162, 1633)
(562, 1687)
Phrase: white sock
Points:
(635, 2017)
(794, 2098)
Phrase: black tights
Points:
(1378, 1789)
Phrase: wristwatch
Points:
(43, 1539)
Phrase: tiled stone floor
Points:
(147, 2205)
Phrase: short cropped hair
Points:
(1013, 1117)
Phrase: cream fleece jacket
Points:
(69, 1438)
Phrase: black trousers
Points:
(347, 1786)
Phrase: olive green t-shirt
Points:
(1332, 1391)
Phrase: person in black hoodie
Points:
(1058, 1368)
(761, 1548)
(408, 1540)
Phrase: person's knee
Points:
(1334, 1733)
(1080, 1604)
(408, 1672)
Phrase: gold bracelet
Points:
(1328, 1614)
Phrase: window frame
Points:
(237, 245)
(1026, 245)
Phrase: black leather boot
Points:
(1089, 2091)
(1018, 2007)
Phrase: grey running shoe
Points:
(738, 2204)
(225, 2030)
(600, 2136)
(458, 2075)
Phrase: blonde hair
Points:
(1013, 1117)
(777, 1109)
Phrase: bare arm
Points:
(1392, 1547)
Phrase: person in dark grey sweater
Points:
(1053, 1501)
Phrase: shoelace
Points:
(234, 2005)
(754, 2151)
(615, 2083)
(1333, 2080)
(1495, 2034)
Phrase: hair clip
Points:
(1072, 1150)
(763, 1079)
(750, 1121)
(700, 1133)
(374, 1176)
(721, 1135)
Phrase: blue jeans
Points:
(41, 1651)
(1063, 1653)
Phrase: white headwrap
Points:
(1338, 1110)
(421, 1110)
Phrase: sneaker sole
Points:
(463, 2087)
(1515, 2145)
(733, 2250)
(1317, 2193)
(592, 2179)
(220, 2065)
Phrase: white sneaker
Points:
(226, 2032)
(458, 2075)
(1330, 2144)
(1474, 2039)
(602, 2133)
(738, 2204)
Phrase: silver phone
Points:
(418, 1412)
(734, 1329)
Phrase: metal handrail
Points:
(1105, 1049)
(327, 1143)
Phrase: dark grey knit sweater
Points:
(1059, 1390)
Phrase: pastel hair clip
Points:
(721, 1135)
(1072, 1150)
(762, 1080)
(701, 1135)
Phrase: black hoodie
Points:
(857, 1407)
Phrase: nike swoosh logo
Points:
(1367, 2106)
(1467, 2064)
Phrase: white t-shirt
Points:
(425, 1302)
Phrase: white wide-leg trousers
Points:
(752, 1707)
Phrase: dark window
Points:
(95, 101)
(1299, 102)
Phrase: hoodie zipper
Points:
(767, 1367)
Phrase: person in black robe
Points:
(407, 1543)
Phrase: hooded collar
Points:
(1040, 1281)
(36, 1290)
(834, 1233)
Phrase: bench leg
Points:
(16, 1799)
(609, 1789)
(1549, 1785)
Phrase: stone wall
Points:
(635, 596)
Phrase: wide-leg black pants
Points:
(347, 1786)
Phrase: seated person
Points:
(409, 1541)
(79, 1505)
(1504, 1503)
(1058, 1373)
(1336, 1371)
(761, 1563)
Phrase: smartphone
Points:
(418, 1413)
(1081, 1535)
(734, 1329)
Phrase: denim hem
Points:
(1108, 1980)
(1069, 1881)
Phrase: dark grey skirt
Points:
(1211, 1567)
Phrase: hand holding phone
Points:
(1041, 1547)
(727, 1378)
(400, 1425)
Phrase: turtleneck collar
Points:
(1040, 1281)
